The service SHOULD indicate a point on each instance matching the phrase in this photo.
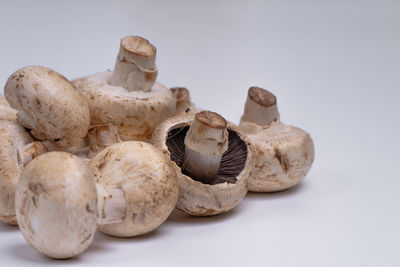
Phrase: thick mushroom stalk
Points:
(31, 151)
(102, 136)
(135, 68)
(205, 143)
(182, 97)
(261, 107)
(111, 204)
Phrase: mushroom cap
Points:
(148, 179)
(199, 199)
(6, 111)
(56, 201)
(13, 137)
(49, 105)
(136, 113)
(284, 155)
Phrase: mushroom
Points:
(213, 159)
(49, 105)
(183, 102)
(148, 179)
(56, 205)
(17, 149)
(6, 112)
(60, 204)
(129, 95)
(284, 153)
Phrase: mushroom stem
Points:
(261, 107)
(135, 67)
(111, 205)
(31, 151)
(102, 136)
(205, 142)
(182, 97)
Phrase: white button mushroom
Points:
(17, 149)
(49, 105)
(148, 179)
(129, 95)
(6, 112)
(60, 203)
(213, 159)
(56, 204)
(284, 153)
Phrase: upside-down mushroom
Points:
(213, 159)
(129, 96)
(284, 154)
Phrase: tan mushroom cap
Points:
(6, 111)
(196, 198)
(284, 155)
(56, 204)
(13, 137)
(136, 113)
(148, 180)
(49, 105)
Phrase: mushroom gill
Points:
(232, 162)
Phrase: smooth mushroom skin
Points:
(56, 202)
(197, 198)
(284, 154)
(135, 113)
(6, 111)
(13, 138)
(49, 105)
(148, 180)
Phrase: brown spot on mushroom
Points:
(36, 188)
(89, 209)
(103, 161)
(283, 161)
(151, 76)
(262, 96)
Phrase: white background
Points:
(335, 68)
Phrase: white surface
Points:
(334, 67)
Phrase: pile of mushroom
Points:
(118, 151)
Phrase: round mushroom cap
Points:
(230, 185)
(56, 203)
(13, 137)
(6, 111)
(49, 105)
(148, 179)
(136, 113)
(284, 155)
